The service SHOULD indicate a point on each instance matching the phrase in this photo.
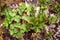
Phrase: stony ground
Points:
(4, 34)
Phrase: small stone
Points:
(13, 5)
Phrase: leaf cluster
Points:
(22, 19)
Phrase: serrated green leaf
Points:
(16, 18)
(21, 8)
(27, 18)
(12, 14)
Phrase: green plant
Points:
(49, 35)
(53, 19)
(56, 8)
(18, 21)
(14, 18)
